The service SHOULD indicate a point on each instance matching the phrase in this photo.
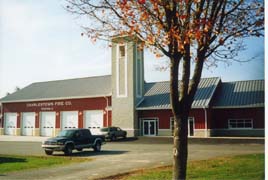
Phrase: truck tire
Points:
(48, 152)
(97, 147)
(68, 149)
(113, 138)
(79, 149)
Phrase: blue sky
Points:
(40, 41)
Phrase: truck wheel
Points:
(48, 152)
(113, 138)
(68, 149)
(97, 147)
(79, 149)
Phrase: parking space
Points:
(121, 156)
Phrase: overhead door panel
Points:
(93, 120)
(47, 123)
(69, 119)
(10, 122)
(28, 123)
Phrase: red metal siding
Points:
(220, 117)
(79, 105)
(165, 115)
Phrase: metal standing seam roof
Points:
(157, 94)
(61, 89)
(239, 94)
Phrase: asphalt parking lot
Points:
(122, 156)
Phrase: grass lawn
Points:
(10, 163)
(237, 167)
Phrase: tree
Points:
(188, 32)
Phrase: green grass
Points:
(9, 163)
(244, 167)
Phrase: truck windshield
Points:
(66, 133)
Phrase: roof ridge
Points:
(180, 80)
(243, 80)
(69, 79)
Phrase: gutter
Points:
(106, 109)
(206, 121)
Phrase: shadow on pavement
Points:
(91, 153)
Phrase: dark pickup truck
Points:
(70, 139)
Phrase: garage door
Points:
(47, 123)
(28, 123)
(69, 119)
(93, 120)
(10, 123)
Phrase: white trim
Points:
(139, 80)
(240, 119)
(236, 107)
(117, 70)
(57, 98)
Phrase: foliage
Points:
(187, 32)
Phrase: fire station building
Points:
(124, 99)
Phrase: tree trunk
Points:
(180, 146)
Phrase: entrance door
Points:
(28, 123)
(10, 123)
(149, 127)
(48, 120)
(191, 126)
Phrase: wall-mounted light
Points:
(57, 113)
(104, 112)
(18, 114)
(80, 113)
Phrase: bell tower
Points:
(127, 82)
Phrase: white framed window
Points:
(240, 123)
(121, 71)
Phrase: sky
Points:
(40, 41)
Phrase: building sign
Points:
(46, 106)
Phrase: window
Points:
(122, 51)
(240, 124)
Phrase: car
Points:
(112, 133)
(70, 139)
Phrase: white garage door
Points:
(10, 123)
(69, 119)
(93, 120)
(47, 123)
(28, 123)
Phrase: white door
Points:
(149, 127)
(93, 120)
(69, 119)
(10, 123)
(28, 123)
(47, 123)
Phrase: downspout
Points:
(206, 122)
(2, 116)
(106, 110)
